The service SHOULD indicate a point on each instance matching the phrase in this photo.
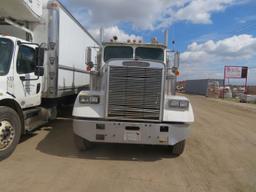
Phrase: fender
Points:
(4, 95)
(182, 116)
(9, 100)
(90, 110)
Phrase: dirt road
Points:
(220, 156)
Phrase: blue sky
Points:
(209, 33)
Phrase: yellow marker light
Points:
(154, 40)
(53, 5)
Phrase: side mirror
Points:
(39, 71)
(99, 55)
(176, 64)
(88, 55)
(40, 57)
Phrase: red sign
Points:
(236, 72)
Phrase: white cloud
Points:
(109, 32)
(147, 14)
(199, 11)
(142, 14)
(206, 60)
(232, 48)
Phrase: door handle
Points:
(22, 78)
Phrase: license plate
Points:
(132, 136)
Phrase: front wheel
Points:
(82, 144)
(178, 148)
(10, 131)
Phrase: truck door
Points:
(28, 85)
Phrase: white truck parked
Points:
(43, 55)
(132, 99)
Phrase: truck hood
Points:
(135, 63)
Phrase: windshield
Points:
(6, 47)
(150, 53)
(118, 52)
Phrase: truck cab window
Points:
(118, 52)
(149, 53)
(26, 60)
(6, 47)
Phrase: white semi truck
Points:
(44, 52)
(132, 99)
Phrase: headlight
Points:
(89, 99)
(182, 104)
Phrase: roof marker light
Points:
(53, 5)
(115, 38)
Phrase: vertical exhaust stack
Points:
(166, 38)
(101, 35)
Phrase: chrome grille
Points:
(134, 93)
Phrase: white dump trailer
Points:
(132, 99)
(44, 52)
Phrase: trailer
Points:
(44, 57)
(201, 86)
(132, 99)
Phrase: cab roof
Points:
(148, 45)
(14, 39)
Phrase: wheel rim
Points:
(7, 135)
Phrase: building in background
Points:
(205, 87)
(251, 90)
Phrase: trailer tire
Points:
(10, 131)
(82, 144)
(178, 148)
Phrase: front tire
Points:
(10, 131)
(82, 144)
(178, 148)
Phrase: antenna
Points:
(173, 39)
(173, 45)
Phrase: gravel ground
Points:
(220, 156)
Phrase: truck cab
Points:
(42, 66)
(19, 71)
(132, 99)
(20, 89)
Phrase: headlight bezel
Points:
(178, 104)
(89, 99)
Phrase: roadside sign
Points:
(234, 72)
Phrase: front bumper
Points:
(131, 132)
